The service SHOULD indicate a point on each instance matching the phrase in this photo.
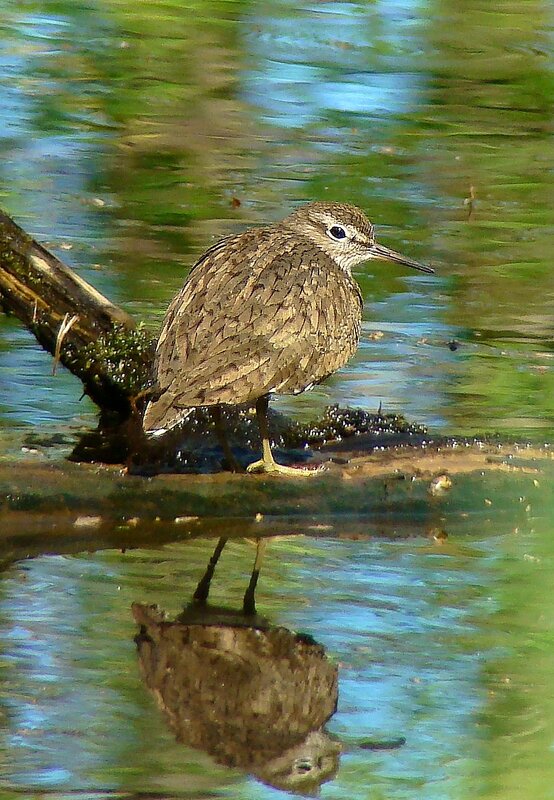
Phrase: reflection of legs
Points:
(249, 602)
(232, 462)
(200, 596)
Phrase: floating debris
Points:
(440, 485)
(87, 522)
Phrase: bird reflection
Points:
(252, 695)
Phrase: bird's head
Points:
(345, 234)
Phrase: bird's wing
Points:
(251, 318)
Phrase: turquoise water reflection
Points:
(444, 646)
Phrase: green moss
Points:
(14, 242)
(123, 355)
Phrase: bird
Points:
(271, 310)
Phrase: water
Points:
(447, 647)
(132, 136)
(127, 135)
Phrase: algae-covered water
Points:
(132, 135)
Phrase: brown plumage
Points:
(272, 309)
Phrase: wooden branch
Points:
(96, 340)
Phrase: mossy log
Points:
(96, 340)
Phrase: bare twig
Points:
(65, 327)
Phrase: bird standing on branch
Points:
(270, 310)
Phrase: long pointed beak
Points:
(380, 251)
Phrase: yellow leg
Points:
(267, 463)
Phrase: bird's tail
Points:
(161, 416)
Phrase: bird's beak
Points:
(380, 251)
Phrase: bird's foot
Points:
(272, 468)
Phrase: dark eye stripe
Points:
(337, 232)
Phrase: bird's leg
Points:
(249, 602)
(267, 463)
(200, 596)
(232, 462)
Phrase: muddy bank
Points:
(59, 506)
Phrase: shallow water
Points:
(447, 647)
(131, 137)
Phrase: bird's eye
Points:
(337, 232)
